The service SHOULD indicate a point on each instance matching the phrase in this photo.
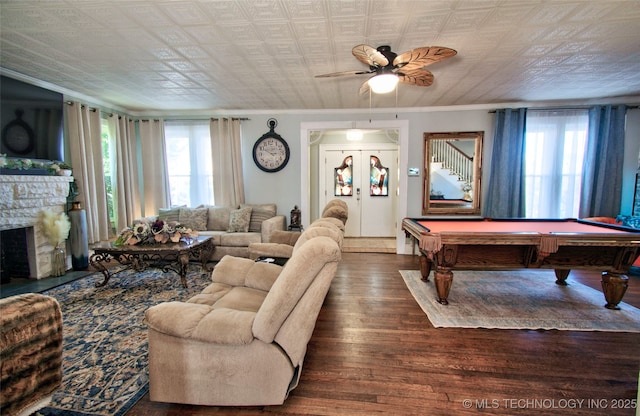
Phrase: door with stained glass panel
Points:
(367, 180)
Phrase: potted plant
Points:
(61, 168)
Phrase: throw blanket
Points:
(30, 350)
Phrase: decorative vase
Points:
(78, 240)
(58, 263)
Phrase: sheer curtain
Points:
(155, 185)
(85, 143)
(188, 148)
(126, 189)
(555, 146)
(228, 182)
(505, 193)
(602, 188)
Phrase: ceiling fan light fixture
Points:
(383, 83)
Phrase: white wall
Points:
(283, 187)
(444, 121)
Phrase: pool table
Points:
(504, 244)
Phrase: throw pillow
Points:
(606, 220)
(259, 213)
(169, 214)
(629, 220)
(218, 218)
(194, 218)
(239, 220)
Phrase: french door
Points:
(366, 178)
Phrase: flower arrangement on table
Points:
(159, 231)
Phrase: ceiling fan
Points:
(390, 68)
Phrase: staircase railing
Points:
(452, 158)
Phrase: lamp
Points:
(383, 83)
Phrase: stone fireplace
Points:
(22, 197)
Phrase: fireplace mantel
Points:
(22, 197)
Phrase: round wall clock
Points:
(271, 152)
(17, 136)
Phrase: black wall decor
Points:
(31, 121)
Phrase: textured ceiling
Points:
(144, 55)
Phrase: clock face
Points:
(18, 137)
(271, 153)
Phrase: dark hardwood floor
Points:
(375, 352)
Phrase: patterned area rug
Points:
(105, 362)
(519, 300)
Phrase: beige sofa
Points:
(242, 341)
(233, 229)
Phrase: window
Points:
(555, 143)
(108, 163)
(189, 162)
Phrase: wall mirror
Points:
(452, 172)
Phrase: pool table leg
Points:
(614, 285)
(443, 280)
(425, 267)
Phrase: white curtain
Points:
(228, 182)
(555, 143)
(126, 189)
(188, 148)
(155, 185)
(85, 143)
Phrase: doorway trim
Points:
(306, 128)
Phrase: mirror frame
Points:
(473, 208)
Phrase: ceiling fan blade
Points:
(339, 74)
(369, 55)
(364, 88)
(421, 57)
(420, 77)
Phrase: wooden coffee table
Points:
(168, 256)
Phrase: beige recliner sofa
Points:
(242, 341)
(280, 243)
